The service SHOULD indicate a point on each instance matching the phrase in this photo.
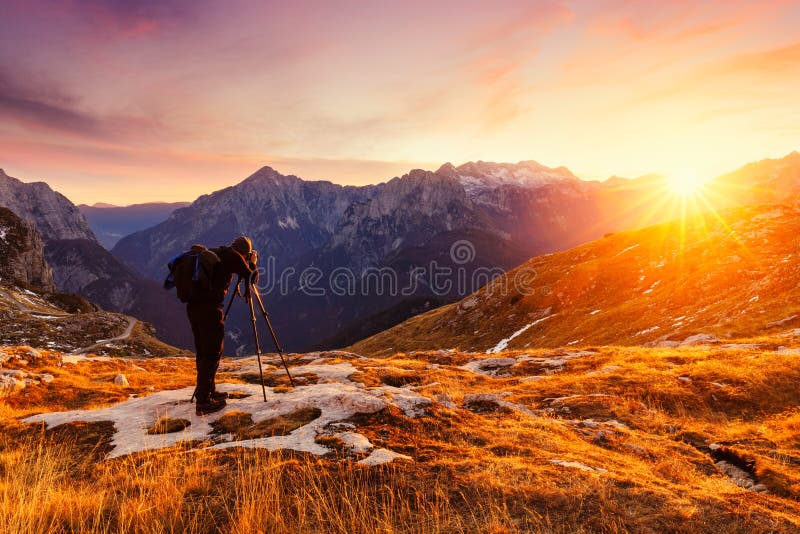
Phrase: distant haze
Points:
(111, 223)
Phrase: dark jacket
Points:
(231, 262)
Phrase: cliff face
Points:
(80, 264)
(22, 258)
(53, 214)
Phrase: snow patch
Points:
(503, 344)
(383, 456)
(647, 331)
(356, 442)
(336, 402)
(288, 222)
(623, 251)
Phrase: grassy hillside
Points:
(721, 276)
(610, 439)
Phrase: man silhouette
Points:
(207, 319)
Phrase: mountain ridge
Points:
(664, 285)
(324, 226)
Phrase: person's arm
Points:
(236, 264)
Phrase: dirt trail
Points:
(24, 308)
(125, 335)
(19, 305)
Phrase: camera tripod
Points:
(251, 290)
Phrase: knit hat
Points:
(242, 245)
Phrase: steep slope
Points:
(85, 267)
(112, 223)
(22, 258)
(762, 182)
(69, 323)
(81, 265)
(704, 278)
(55, 216)
(32, 313)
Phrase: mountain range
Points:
(111, 223)
(81, 265)
(502, 215)
(384, 243)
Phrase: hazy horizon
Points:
(102, 203)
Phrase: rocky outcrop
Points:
(22, 258)
(81, 265)
(53, 214)
(406, 212)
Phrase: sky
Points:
(121, 102)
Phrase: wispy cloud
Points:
(504, 50)
(125, 18)
(41, 104)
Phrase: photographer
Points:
(206, 316)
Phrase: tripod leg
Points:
(258, 345)
(254, 290)
(230, 302)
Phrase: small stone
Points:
(33, 353)
(15, 373)
(10, 385)
(121, 380)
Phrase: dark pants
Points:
(208, 328)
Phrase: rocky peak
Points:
(266, 174)
(481, 179)
(448, 169)
(22, 257)
(53, 214)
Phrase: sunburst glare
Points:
(686, 183)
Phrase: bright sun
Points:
(685, 184)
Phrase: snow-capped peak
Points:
(480, 176)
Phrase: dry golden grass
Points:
(43, 489)
(477, 466)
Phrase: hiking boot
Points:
(218, 395)
(210, 406)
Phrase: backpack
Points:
(191, 273)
